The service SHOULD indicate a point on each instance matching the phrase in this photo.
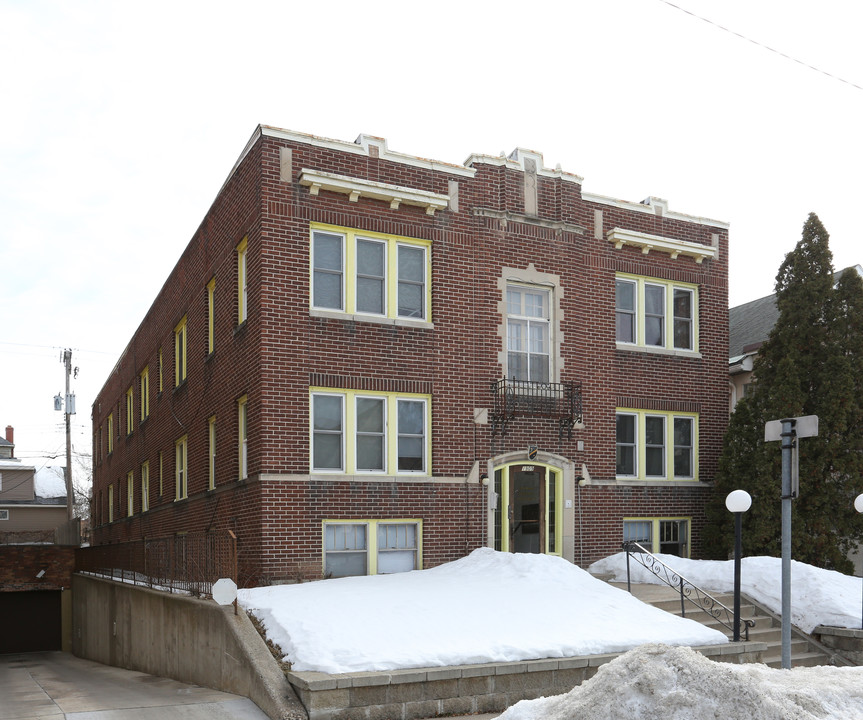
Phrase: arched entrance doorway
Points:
(528, 514)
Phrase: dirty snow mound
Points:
(658, 682)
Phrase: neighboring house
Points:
(749, 325)
(32, 507)
(370, 362)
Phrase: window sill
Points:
(658, 482)
(366, 477)
(374, 319)
(694, 354)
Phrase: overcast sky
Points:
(121, 121)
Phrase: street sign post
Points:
(788, 431)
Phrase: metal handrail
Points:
(688, 590)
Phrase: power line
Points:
(762, 45)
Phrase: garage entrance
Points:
(32, 621)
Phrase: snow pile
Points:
(486, 607)
(818, 597)
(657, 682)
(50, 482)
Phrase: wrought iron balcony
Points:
(522, 398)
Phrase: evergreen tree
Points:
(811, 364)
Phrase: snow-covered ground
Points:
(818, 597)
(486, 607)
(496, 607)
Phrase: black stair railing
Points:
(688, 590)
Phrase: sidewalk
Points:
(57, 685)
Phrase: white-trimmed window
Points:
(211, 315)
(242, 281)
(656, 445)
(670, 536)
(370, 274)
(371, 547)
(243, 425)
(528, 333)
(145, 486)
(211, 452)
(4, 514)
(181, 468)
(653, 313)
(130, 410)
(145, 393)
(130, 493)
(180, 354)
(359, 432)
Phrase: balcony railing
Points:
(559, 401)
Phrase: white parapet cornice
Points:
(675, 248)
(355, 188)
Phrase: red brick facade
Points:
(504, 223)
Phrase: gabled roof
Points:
(750, 324)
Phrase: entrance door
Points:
(527, 509)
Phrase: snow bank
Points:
(818, 597)
(487, 607)
(657, 682)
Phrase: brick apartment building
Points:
(367, 362)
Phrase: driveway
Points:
(56, 685)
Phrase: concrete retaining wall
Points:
(180, 637)
(846, 642)
(461, 689)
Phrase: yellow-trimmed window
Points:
(242, 281)
(145, 486)
(652, 313)
(110, 433)
(370, 274)
(211, 315)
(180, 348)
(130, 493)
(243, 438)
(656, 445)
(111, 503)
(145, 393)
(669, 535)
(359, 432)
(181, 468)
(211, 454)
(371, 547)
(130, 409)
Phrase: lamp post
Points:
(738, 502)
(858, 506)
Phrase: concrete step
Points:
(798, 659)
(767, 629)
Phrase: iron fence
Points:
(188, 563)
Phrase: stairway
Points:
(805, 651)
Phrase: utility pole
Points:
(70, 410)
